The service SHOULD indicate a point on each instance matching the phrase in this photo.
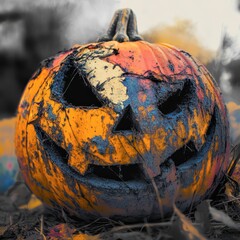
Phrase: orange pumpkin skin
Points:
(65, 148)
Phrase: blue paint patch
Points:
(207, 102)
(58, 84)
(101, 144)
(24, 104)
(149, 160)
(118, 108)
(51, 115)
(69, 147)
(57, 134)
(111, 150)
(25, 113)
(135, 87)
(170, 66)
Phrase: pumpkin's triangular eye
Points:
(127, 122)
(77, 90)
(176, 99)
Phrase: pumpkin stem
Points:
(123, 27)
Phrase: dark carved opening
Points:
(172, 103)
(127, 122)
(117, 172)
(77, 90)
(51, 149)
(211, 128)
(183, 154)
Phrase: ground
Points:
(23, 216)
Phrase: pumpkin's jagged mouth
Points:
(125, 173)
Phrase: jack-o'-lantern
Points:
(122, 128)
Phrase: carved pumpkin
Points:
(101, 124)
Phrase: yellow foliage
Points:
(34, 202)
(181, 34)
(82, 236)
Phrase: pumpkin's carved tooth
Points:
(151, 168)
(60, 156)
(127, 172)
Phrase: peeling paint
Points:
(108, 76)
(51, 115)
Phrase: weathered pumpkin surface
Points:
(99, 123)
(8, 161)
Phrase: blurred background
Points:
(31, 31)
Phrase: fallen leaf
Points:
(83, 236)
(34, 202)
(60, 231)
(222, 217)
(3, 230)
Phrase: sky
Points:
(210, 18)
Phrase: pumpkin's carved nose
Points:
(127, 123)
